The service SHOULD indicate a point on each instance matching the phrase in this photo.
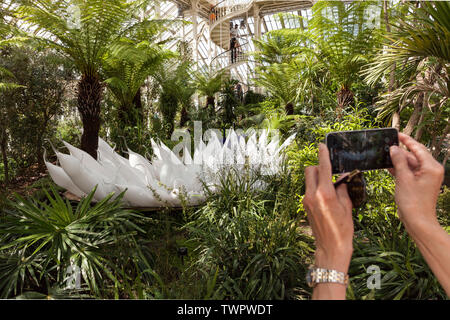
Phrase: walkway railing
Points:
(227, 9)
(220, 17)
(231, 57)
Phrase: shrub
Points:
(404, 273)
(253, 244)
(41, 240)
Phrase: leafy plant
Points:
(85, 32)
(384, 243)
(41, 240)
(255, 246)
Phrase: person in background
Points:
(418, 178)
(212, 15)
(239, 93)
(234, 32)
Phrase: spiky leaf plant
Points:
(41, 240)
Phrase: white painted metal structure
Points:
(210, 32)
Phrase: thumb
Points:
(399, 161)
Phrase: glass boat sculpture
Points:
(159, 181)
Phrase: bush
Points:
(385, 244)
(249, 245)
(40, 241)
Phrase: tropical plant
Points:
(84, 32)
(383, 245)
(344, 41)
(175, 90)
(5, 75)
(31, 112)
(279, 46)
(229, 102)
(42, 240)
(419, 50)
(282, 82)
(249, 242)
(127, 67)
(208, 82)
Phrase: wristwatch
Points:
(320, 275)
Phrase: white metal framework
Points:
(209, 33)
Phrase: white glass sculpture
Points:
(161, 181)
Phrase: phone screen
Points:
(361, 149)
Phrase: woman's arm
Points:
(418, 178)
(330, 217)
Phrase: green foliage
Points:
(443, 208)
(254, 245)
(175, 81)
(41, 240)
(28, 114)
(420, 94)
(382, 241)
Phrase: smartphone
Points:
(361, 149)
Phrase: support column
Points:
(257, 20)
(194, 5)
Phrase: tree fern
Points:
(84, 32)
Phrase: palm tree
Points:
(126, 68)
(5, 75)
(420, 50)
(282, 83)
(208, 83)
(343, 43)
(84, 32)
(175, 91)
(280, 46)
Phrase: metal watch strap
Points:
(322, 275)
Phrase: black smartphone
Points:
(361, 149)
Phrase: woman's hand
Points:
(329, 214)
(418, 178)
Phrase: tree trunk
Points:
(211, 102)
(289, 108)
(184, 116)
(345, 98)
(90, 91)
(3, 146)
(415, 116)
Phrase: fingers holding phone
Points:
(329, 214)
(418, 178)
